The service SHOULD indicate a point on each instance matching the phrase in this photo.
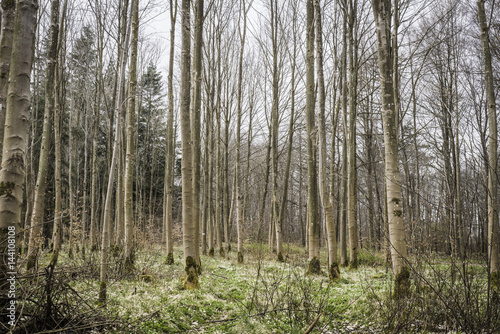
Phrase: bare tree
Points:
(382, 11)
(189, 238)
(43, 165)
(312, 179)
(493, 238)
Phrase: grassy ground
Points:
(266, 296)
(259, 296)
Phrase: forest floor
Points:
(263, 295)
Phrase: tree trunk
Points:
(109, 193)
(352, 212)
(7, 30)
(343, 201)
(170, 158)
(129, 157)
(333, 267)
(188, 225)
(312, 180)
(57, 231)
(493, 238)
(39, 203)
(239, 191)
(15, 140)
(196, 124)
(382, 12)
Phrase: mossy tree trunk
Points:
(15, 140)
(43, 165)
(493, 238)
(382, 12)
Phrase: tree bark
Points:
(57, 231)
(312, 179)
(493, 238)
(12, 172)
(196, 124)
(239, 191)
(170, 158)
(333, 267)
(7, 31)
(352, 212)
(39, 203)
(109, 193)
(129, 157)
(382, 12)
(188, 225)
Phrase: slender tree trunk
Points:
(109, 193)
(343, 201)
(15, 140)
(352, 212)
(382, 12)
(129, 157)
(196, 125)
(57, 231)
(333, 268)
(264, 195)
(312, 180)
(39, 203)
(493, 238)
(94, 188)
(188, 225)
(170, 158)
(239, 191)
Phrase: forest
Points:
(249, 166)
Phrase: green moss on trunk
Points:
(170, 259)
(191, 274)
(353, 265)
(495, 280)
(314, 267)
(402, 283)
(6, 188)
(334, 271)
(102, 294)
(130, 263)
(222, 253)
(115, 250)
(281, 258)
(240, 257)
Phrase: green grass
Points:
(259, 296)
